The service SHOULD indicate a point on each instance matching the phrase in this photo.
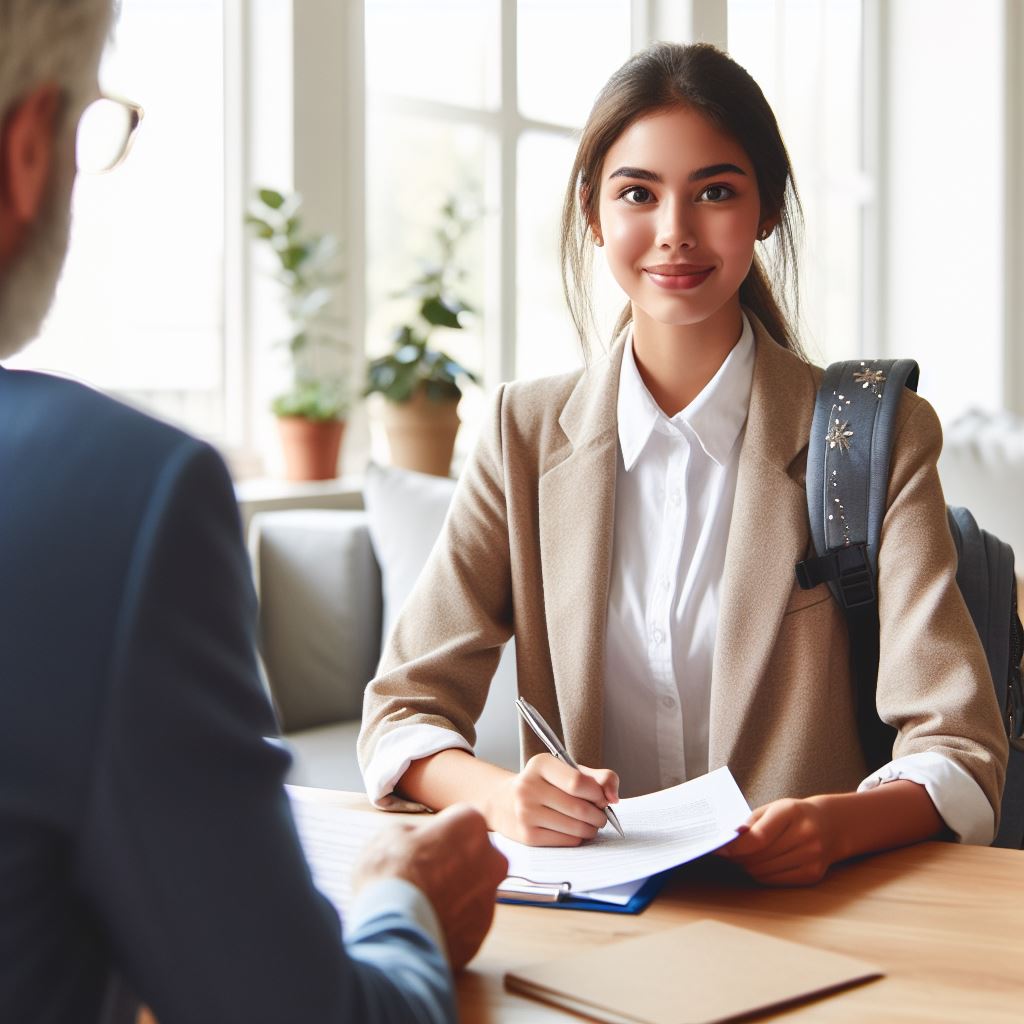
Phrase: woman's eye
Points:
(716, 193)
(637, 195)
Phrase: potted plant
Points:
(422, 384)
(311, 413)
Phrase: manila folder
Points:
(699, 973)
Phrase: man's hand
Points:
(451, 860)
(786, 842)
(550, 804)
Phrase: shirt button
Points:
(677, 498)
(657, 636)
(665, 583)
(668, 702)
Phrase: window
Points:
(380, 111)
(140, 307)
(807, 58)
(491, 120)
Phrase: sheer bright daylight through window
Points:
(379, 112)
(139, 309)
(493, 126)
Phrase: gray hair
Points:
(43, 41)
(52, 41)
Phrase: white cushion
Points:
(982, 468)
(406, 511)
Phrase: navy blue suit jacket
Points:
(143, 824)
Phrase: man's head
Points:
(49, 56)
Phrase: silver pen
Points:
(532, 717)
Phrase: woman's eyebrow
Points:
(711, 171)
(636, 172)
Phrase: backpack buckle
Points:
(856, 581)
(847, 570)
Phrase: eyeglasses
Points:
(106, 131)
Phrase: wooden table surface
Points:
(944, 922)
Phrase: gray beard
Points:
(28, 284)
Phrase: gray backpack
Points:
(847, 485)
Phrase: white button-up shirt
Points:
(674, 495)
(673, 501)
(675, 488)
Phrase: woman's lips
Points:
(678, 278)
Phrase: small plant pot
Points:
(310, 447)
(421, 433)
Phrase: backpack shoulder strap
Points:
(848, 455)
(847, 485)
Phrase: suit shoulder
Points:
(55, 409)
(78, 445)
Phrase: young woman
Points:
(635, 526)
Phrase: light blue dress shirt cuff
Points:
(391, 930)
(394, 896)
(960, 801)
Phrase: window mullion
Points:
(237, 362)
(1013, 197)
(501, 354)
(874, 63)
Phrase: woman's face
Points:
(679, 213)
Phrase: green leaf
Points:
(292, 256)
(269, 197)
(313, 400)
(436, 312)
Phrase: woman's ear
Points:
(27, 152)
(593, 222)
(766, 227)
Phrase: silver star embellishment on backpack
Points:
(838, 435)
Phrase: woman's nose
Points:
(675, 227)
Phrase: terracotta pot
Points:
(421, 433)
(310, 447)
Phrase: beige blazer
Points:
(527, 551)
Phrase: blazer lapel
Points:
(577, 518)
(768, 534)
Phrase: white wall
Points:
(942, 197)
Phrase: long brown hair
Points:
(705, 79)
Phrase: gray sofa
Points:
(322, 597)
(321, 621)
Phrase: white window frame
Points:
(329, 170)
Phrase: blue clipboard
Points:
(562, 898)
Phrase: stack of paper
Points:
(662, 830)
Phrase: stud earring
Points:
(598, 240)
(763, 234)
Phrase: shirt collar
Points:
(715, 417)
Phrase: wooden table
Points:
(945, 923)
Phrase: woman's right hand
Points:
(550, 804)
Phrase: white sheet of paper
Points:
(662, 829)
(332, 838)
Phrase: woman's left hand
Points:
(787, 842)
